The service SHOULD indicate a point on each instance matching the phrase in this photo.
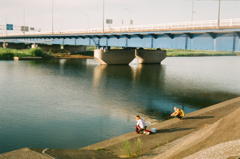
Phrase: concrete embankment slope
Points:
(24, 153)
(199, 132)
(219, 140)
(174, 129)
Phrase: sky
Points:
(83, 14)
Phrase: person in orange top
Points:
(178, 113)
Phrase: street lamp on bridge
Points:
(52, 17)
(219, 5)
(219, 8)
(103, 16)
(192, 10)
(130, 17)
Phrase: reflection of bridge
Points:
(205, 35)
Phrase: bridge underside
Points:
(217, 40)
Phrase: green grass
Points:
(138, 145)
(8, 54)
(126, 148)
(15, 52)
(174, 52)
(131, 150)
(181, 52)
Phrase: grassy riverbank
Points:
(173, 52)
(181, 52)
(8, 54)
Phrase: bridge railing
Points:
(208, 24)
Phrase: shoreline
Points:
(169, 131)
(173, 126)
(9, 54)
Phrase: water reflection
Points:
(42, 99)
(150, 75)
(103, 74)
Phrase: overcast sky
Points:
(81, 14)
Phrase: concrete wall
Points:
(150, 56)
(74, 49)
(115, 56)
(47, 48)
(125, 56)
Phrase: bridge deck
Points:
(198, 26)
(205, 35)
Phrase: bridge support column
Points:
(34, 46)
(114, 56)
(150, 56)
(5, 45)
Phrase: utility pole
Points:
(130, 17)
(6, 25)
(103, 16)
(219, 6)
(192, 10)
(24, 28)
(52, 17)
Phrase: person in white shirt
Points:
(140, 124)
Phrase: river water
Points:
(75, 103)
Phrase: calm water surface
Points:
(76, 103)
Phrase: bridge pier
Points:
(150, 56)
(125, 56)
(114, 56)
(34, 46)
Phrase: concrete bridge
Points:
(202, 35)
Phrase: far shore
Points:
(75, 57)
(9, 54)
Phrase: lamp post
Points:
(192, 10)
(103, 16)
(219, 5)
(130, 18)
(24, 22)
(52, 17)
(6, 25)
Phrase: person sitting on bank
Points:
(179, 113)
(140, 126)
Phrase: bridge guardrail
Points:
(208, 24)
